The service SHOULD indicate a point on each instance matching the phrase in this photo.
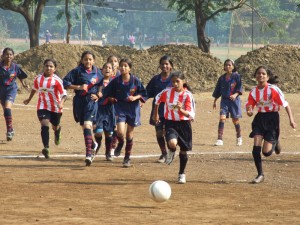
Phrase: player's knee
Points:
(267, 154)
(172, 143)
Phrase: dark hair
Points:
(8, 49)
(181, 76)
(166, 58)
(230, 60)
(111, 56)
(50, 60)
(126, 60)
(273, 79)
(105, 64)
(84, 54)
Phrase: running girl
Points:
(179, 110)
(52, 96)
(85, 80)
(229, 88)
(9, 72)
(156, 85)
(126, 91)
(267, 98)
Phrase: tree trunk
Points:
(68, 18)
(203, 41)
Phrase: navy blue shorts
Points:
(53, 117)
(8, 93)
(133, 121)
(84, 109)
(266, 125)
(105, 119)
(180, 130)
(233, 108)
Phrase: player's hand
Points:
(112, 100)
(84, 87)
(26, 101)
(293, 124)
(155, 118)
(214, 106)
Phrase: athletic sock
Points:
(8, 119)
(162, 144)
(108, 142)
(114, 139)
(98, 140)
(183, 159)
(88, 139)
(45, 136)
(220, 130)
(128, 147)
(238, 130)
(257, 159)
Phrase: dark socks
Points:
(8, 119)
(45, 136)
(238, 130)
(108, 143)
(162, 144)
(114, 139)
(220, 130)
(257, 159)
(88, 139)
(128, 148)
(183, 161)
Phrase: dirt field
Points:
(63, 191)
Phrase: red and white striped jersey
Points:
(267, 99)
(170, 97)
(51, 91)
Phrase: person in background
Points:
(52, 96)
(9, 72)
(48, 36)
(158, 83)
(179, 111)
(85, 81)
(267, 98)
(229, 87)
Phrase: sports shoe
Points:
(239, 141)
(260, 178)
(46, 153)
(126, 163)
(112, 151)
(170, 157)
(57, 136)
(95, 150)
(162, 158)
(219, 142)
(108, 157)
(181, 179)
(88, 161)
(10, 135)
(278, 148)
(118, 149)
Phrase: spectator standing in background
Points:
(48, 35)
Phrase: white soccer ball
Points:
(160, 191)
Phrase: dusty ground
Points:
(63, 191)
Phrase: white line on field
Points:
(31, 106)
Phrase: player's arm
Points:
(26, 101)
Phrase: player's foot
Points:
(112, 151)
(259, 179)
(126, 162)
(239, 141)
(118, 150)
(170, 157)
(95, 150)
(219, 142)
(162, 158)
(57, 136)
(108, 157)
(278, 148)
(10, 135)
(46, 153)
(181, 179)
(88, 161)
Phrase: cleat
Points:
(88, 161)
(126, 163)
(278, 148)
(57, 136)
(181, 179)
(162, 158)
(118, 149)
(46, 153)
(112, 151)
(108, 157)
(170, 157)
(239, 141)
(258, 179)
(219, 142)
(10, 135)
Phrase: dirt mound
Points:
(202, 69)
(283, 60)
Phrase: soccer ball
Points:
(160, 191)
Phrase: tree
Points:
(203, 11)
(32, 11)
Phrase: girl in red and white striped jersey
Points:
(267, 98)
(52, 96)
(179, 110)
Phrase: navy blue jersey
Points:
(226, 87)
(121, 91)
(155, 86)
(8, 77)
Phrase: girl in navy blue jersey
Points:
(9, 72)
(229, 88)
(85, 80)
(105, 119)
(158, 83)
(126, 91)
